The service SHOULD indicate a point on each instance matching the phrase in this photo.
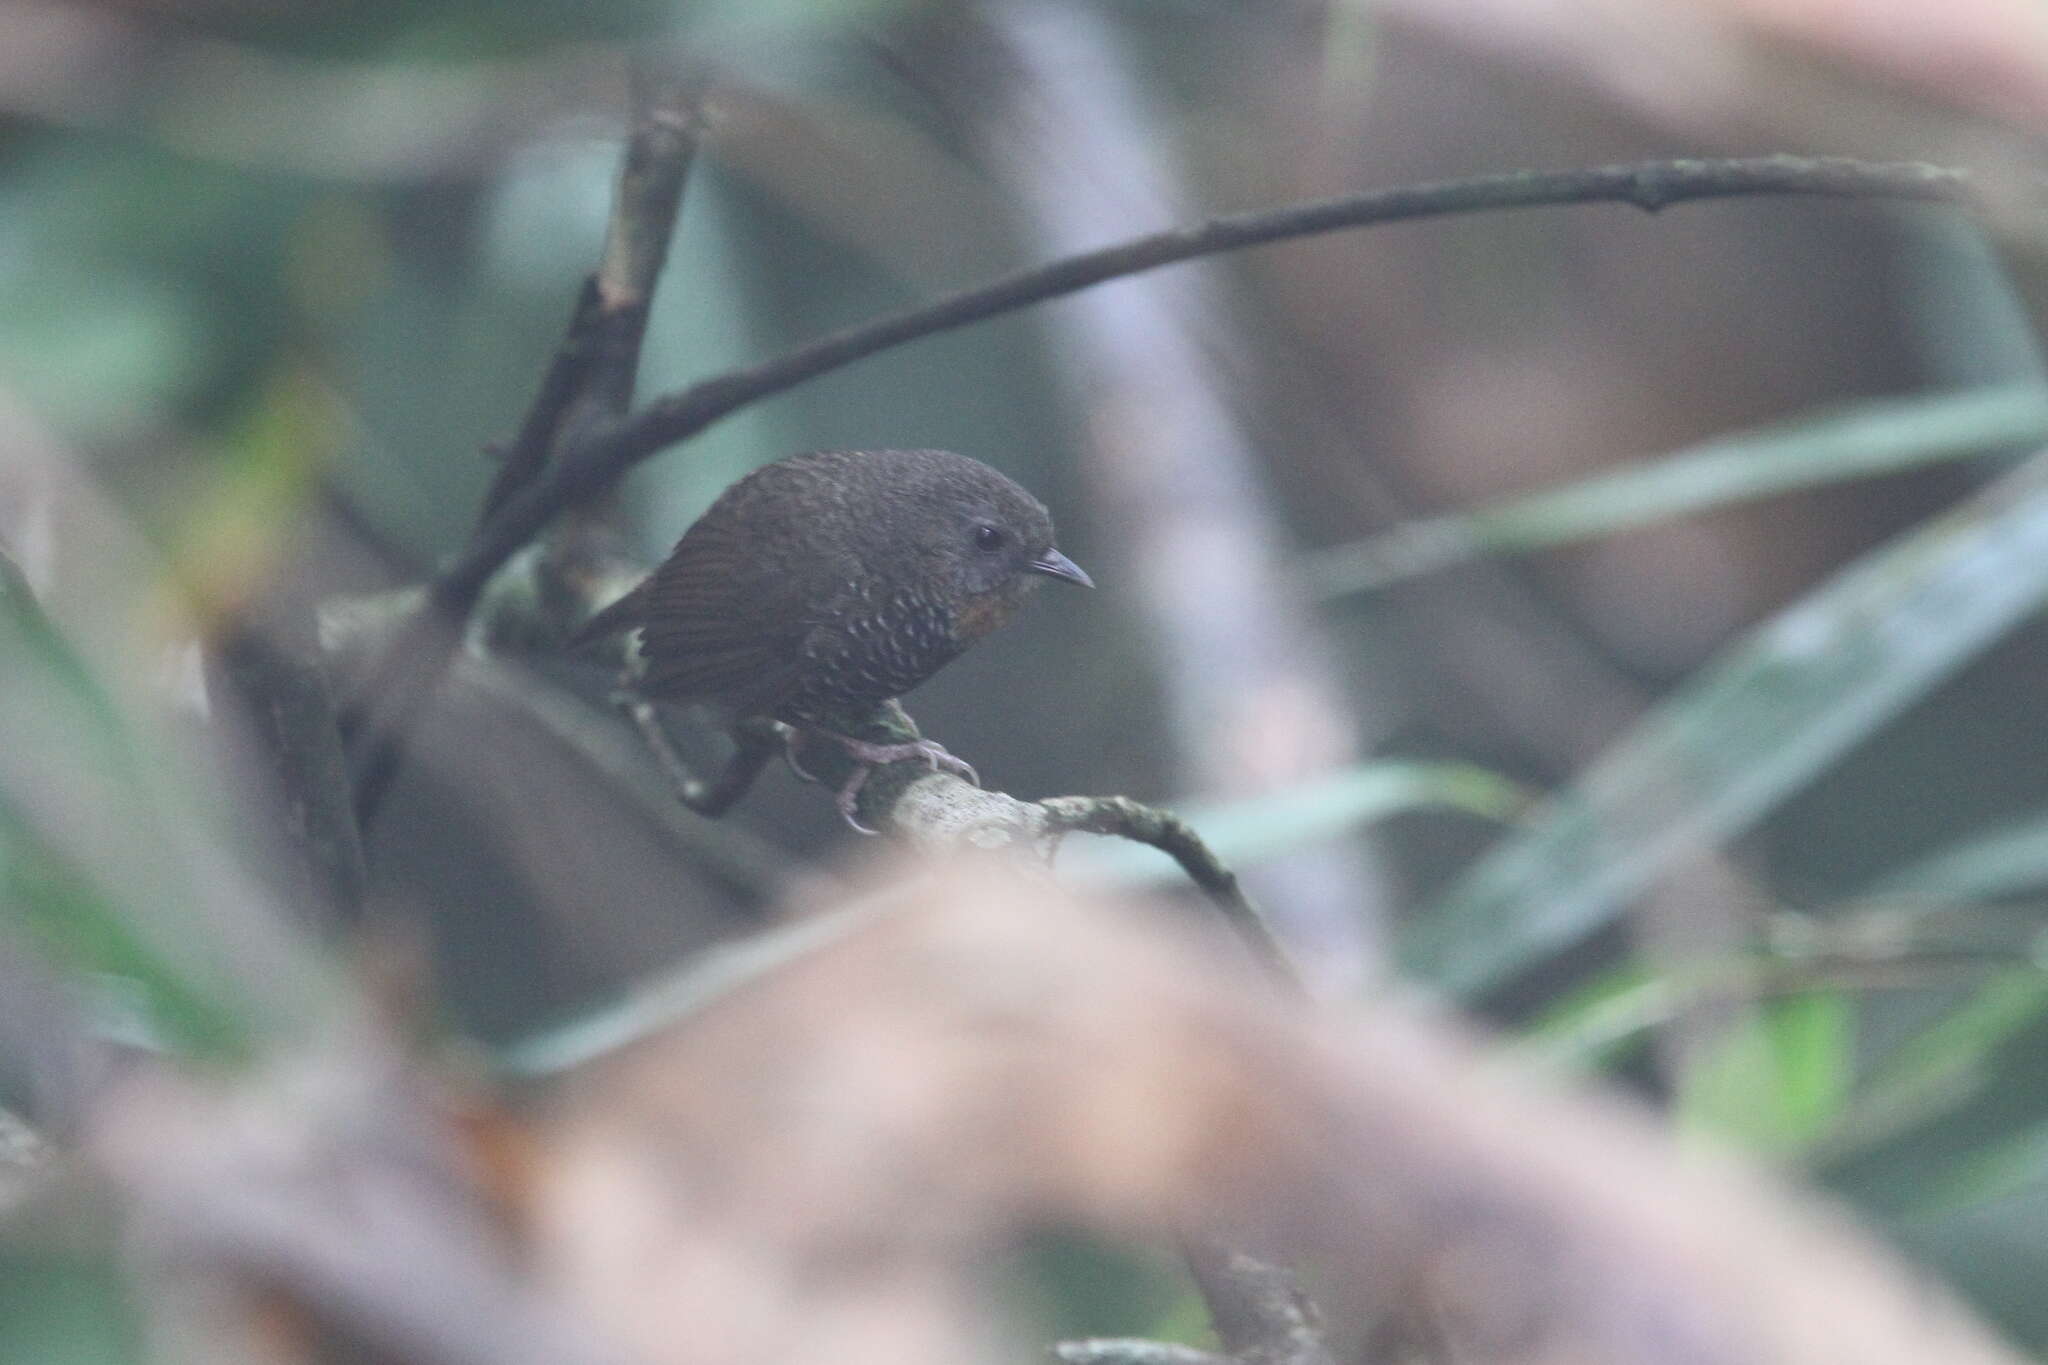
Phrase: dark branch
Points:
(597, 462)
(1650, 186)
(588, 383)
(1259, 1310)
(668, 122)
(592, 371)
(568, 374)
(291, 712)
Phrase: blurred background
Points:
(274, 276)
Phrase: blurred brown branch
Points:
(327, 1202)
(999, 1057)
(1258, 1310)
(816, 1160)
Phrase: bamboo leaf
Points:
(1867, 439)
(1760, 723)
(2009, 860)
(89, 869)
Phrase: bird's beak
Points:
(1053, 564)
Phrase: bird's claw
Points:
(849, 801)
(931, 751)
(871, 756)
(792, 740)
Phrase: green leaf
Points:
(1994, 1171)
(65, 1310)
(2009, 860)
(1604, 1021)
(1943, 1065)
(1778, 1079)
(1881, 437)
(92, 867)
(1774, 711)
(1245, 832)
(144, 995)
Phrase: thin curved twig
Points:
(420, 654)
(1123, 818)
(1650, 186)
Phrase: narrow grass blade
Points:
(2009, 860)
(1879, 437)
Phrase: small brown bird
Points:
(820, 586)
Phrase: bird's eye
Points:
(987, 537)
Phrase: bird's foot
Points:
(930, 750)
(792, 742)
(870, 755)
(849, 801)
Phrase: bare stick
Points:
(594, 367)
(588, 382)
(522, 461)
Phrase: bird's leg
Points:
(755, 744)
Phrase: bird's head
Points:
(985, 540)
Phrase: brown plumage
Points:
(822, 585)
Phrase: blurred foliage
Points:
(1778, 1078)
(63, 1310)
(1768, 716)
(103, 915)
(230, 345)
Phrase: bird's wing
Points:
(623, 614)
(726, 623)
